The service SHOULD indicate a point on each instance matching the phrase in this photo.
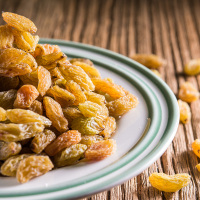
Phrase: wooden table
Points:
(170, 29)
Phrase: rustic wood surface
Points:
(170, 29)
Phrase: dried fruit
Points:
(55, 74)
(33, 166)
(62, 96)
(41, 140)
(71, 113)
(192, 67)
(36, 107)
(3, 116)
(100, 150)
(62, 61)
(196, 147)
(7, 99)
(90, 109)
(156, 72)
(44, 78)
(94, 97)
(91, 71)
(122, 105)
(149, 60)
(25, 96)
(30, 78)
(89, 139)
(83, 60)
(87, 126)
(188, 93)
(64, 88)
(77, 74)
(198, 167)
(6, 37)
(44, 49)
(106, 86)
(9, 167)
(61, 83)
(9, 149)
(24, 40)
(185, 113)
(75, 89)
(26, 116)
(110, 126)
(70, 155)
(169, 183)
(19, 22)
(48, 59)
(55, 114)
(17, 132)
(8, 83)
(15, 62)
(63, 141)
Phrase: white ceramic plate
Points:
(142, 136)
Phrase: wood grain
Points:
(168, 28)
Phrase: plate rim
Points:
(170, 96)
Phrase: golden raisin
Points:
(26, 116)
(78, 75)
(198, 167)
(44, 78)
(41, 140)
(55, 114)
(94, 97)
(62, 96)
(100, 150)
(33, 166)
(30, 78)
(90, 109)
(36, 107)
(3, 116)
(75, 89)
(196, 147)
(83, 60)
(9, 149)
(19, 22)
(17, 132)
(24, 40)
(71, 113)
(70, 155)
(25, 96)
(149, 60)
(48, 59)
(188, 93)
(55, 74)
(9, 167)
(156, 72)
(89, 139)
(192, 67)
(169, 183)
(15, 62)
(6, 37)
(91, 71)
(122, 105)
(106, 86)
(63, 141)
(7, 99)
(44, 49)
(87, 126)
(110, 126)
(185, 113)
